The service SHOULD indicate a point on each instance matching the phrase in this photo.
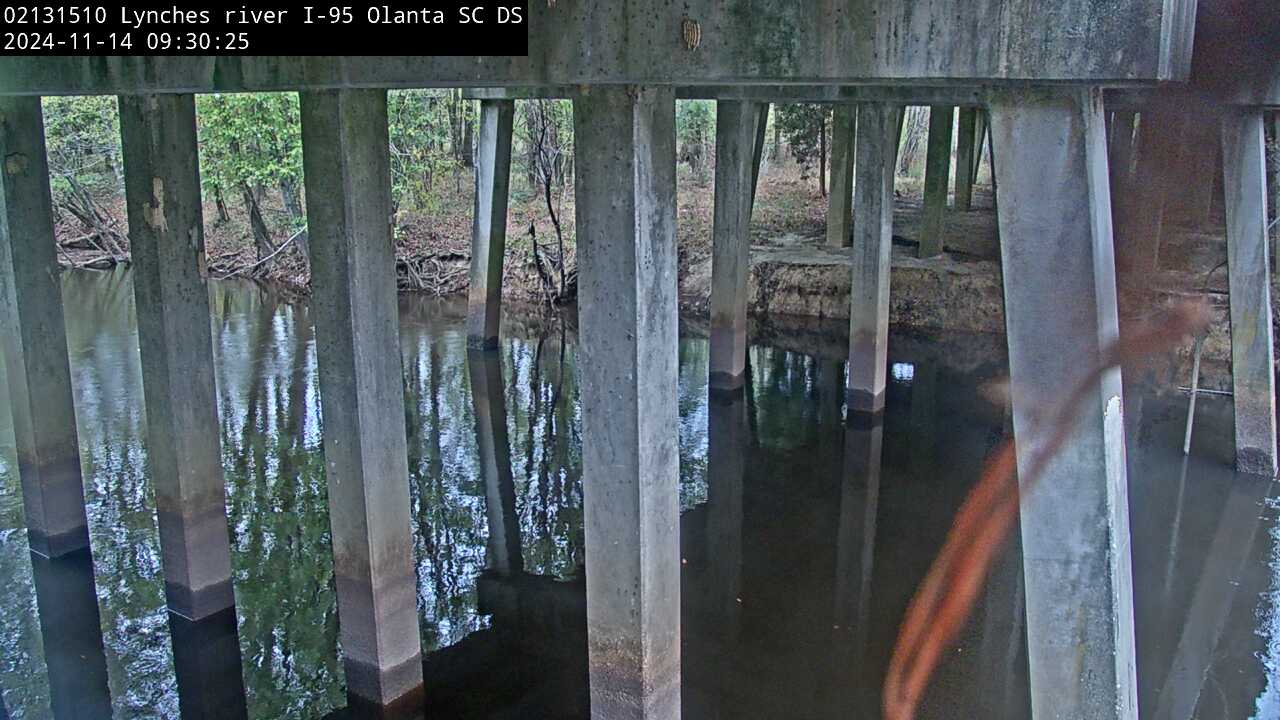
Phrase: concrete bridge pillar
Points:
(840, 197)
(505, 554)
(348, 179)
(626, 183)
(1121, 148)
(968, 148)
(1060, 295)
(35, 357)
(877, 153)
(737, 123)
(71, 630)
(184, 456)
(762, 127)
(937, 180)
(1248, 270)
(489, 223)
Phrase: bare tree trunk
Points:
(221, 204)
(261, 234)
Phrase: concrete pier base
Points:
(184, 456)
(505, 556)
(840, 195)
(347, 165)
(937, 179)
(967, 148)
(1059, 280)
(736, 126)
(489, 223)
(872, 248)
(1248, 270)
(35, 354)
(626, 182)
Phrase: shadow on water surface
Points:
(802, 538)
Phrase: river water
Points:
(802, 539)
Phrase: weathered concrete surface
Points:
(347, 166)
(184, 456)
(871, 253)
(489, 222)
(736, 125)
(71, 631)
(762, 127)
(1059, 280)
(967, 148)
(1120, 134)
(505, 556)
(937, 179)
(1252, 354)
(643, 41)
(625, 184)
(35, 352)
(840, 194)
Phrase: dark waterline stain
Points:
(802, 539)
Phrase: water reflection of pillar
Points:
(206, 660)
(728, 442)
(67, 599)
(830, 387)
(4, 710)
(184, 459)
(505, 554)
(855, 558)
(1214, 594)
(35, 354)
(924, 414)
(348, 182)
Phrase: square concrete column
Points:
(184, 456)
(979, 142)
(1060, 295)
(762, 127)
(35, 355)
(937, 179)
(626, 184)
(967, 148)
(736, 125)
(840, 197)
(1248, 270)
(1121, 150)
(353, 276)
(877, 155)
(489, 405)
(489, 223)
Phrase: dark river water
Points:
(802, 540)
